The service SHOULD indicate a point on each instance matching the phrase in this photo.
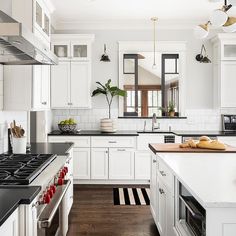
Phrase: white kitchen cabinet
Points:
(99, 163)
(11, 226)
(80, 82)
(142, 165)
(81, 165)
(121, 163)
(153, 187)
(224, 69)
(70, 86)
(36, 16)
(72, 47)
(60, 85)
(27, 88)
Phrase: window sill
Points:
(150, 117)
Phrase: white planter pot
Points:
(19, 145)
(108, 125)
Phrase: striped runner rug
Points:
(131, 196)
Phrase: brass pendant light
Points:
(105, 57)
(154, 19)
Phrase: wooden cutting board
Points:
(174, 147)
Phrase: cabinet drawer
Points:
(165, 174)
(78, 141)
(111, 141)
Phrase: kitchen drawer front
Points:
(166, 175)
(110, 141)
(144, 140)
(78, 141)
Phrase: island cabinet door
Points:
(121, 163)
(99, 163)
(81, 163)
(153, 187)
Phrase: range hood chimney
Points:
(19, 46)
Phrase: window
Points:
(150, 90)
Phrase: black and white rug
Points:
(131, 196)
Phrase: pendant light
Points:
(154, 19)
(230, 25)
(105, 57)
(203, 58)
(202, 31)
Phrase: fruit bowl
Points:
(67, 128)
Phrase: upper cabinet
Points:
(27, 88)
(71, 78)
(72, 47)
(224, 70)
(35, 15)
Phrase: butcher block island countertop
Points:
(174, 147)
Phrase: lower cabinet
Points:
(81, 165)
(121, 163)
(11, 226)
(153, 187)
(142, 165)
(99, 163)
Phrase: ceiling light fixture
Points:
(154, 19)
(203, 58)
(218, 18)
(105, 57)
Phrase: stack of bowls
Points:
(108, 126)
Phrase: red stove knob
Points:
(62, 174)
(53, 188)
(60, 181)
(65, 169)
(46, 198)
(50, 192)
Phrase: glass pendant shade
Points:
(201, 31)
(230, 25)
(218, 18)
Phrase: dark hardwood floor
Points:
(93, 213)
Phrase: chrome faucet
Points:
(154, 122)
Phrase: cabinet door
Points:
(80, 85)
(45, 87)
(99, 163)
(37, 87)
(121, 163)
(11, 226)
(81, 166)
(62, 49)
(80, 50)
(142, 165)
(60, 85)
(153, 187)
(228, 84)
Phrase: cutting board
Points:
(174, 147)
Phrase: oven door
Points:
(50, 221)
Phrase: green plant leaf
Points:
(98, 91)
(101, 85)
(107, 85)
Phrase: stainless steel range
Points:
(48, 213)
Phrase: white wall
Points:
(199, 93)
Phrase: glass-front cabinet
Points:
(72, 50)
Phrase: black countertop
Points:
(12, 196)
(136, 133)
(94, 133)
(59, 149)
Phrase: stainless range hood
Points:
(19, 46)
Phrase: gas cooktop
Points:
(22, 169)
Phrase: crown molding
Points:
(124, 24)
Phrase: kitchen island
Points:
(184, 177)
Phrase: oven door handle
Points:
(46, 217)
(194, 211)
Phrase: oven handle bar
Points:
(194, 211)
(46, 217)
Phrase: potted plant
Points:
(171, 109)
(109, 92)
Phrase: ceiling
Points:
(74, 13)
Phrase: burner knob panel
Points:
(60, 181)
(46, 198)
(53, 188)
